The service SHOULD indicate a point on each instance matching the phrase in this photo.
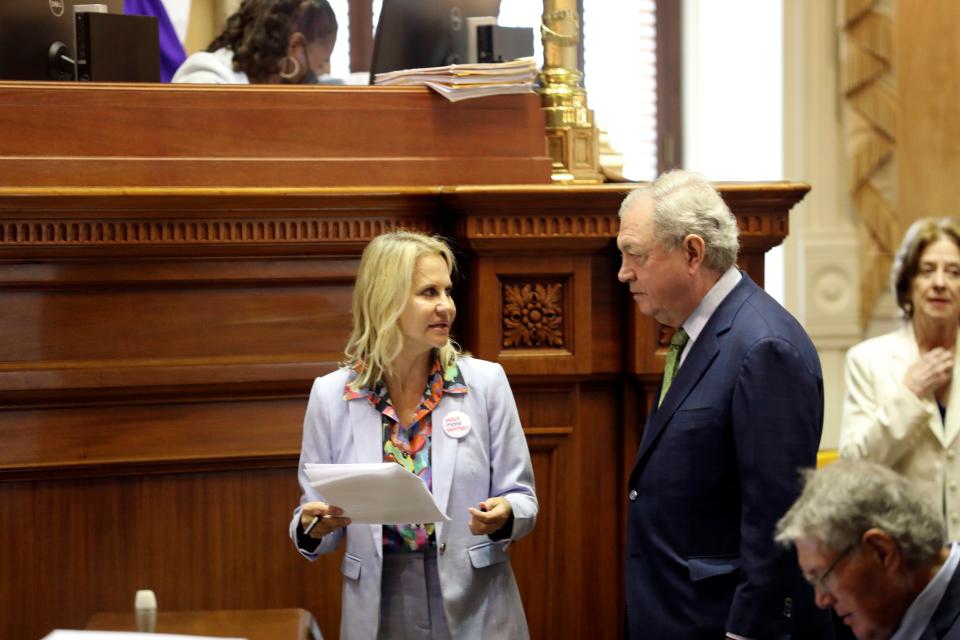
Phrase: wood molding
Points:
(233, 135)
(567, 351)
(168, 373)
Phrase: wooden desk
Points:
(253, 624)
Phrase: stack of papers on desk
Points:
(375, 493)
(462, 81)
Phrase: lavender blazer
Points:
(480, 595)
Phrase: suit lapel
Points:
(698, 360)
(952, 426)
(366, 424)
(367, 429)
(444, 450)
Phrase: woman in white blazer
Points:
(407, 395)
(901, 407)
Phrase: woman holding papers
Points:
(407, 395)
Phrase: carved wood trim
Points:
(181, 232)
(60, 471)
(147, 381)
(533, 315)
(499, 336)
(545, 226)
(161, 136)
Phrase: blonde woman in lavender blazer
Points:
(483, 481)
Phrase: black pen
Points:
(312, 524)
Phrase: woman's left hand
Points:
(492, 514)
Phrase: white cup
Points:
(146, 607)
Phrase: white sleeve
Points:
(880, 422)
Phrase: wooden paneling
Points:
(252, 624)
(220, 136)
(921, 114)
(200, 541)
(157, 347)
(176, 265)
(528, 313)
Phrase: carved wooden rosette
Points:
(539, 319)
(531, 276)
(532, 315)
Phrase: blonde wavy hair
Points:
(384, 283)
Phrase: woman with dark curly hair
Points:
(267, 42)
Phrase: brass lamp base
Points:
(573, 140)
(575, 153)
(572, 137)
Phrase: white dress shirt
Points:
(919, 613)
(697, 320)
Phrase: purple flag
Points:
(172, 54)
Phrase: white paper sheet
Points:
(376, 493)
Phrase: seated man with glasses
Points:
(874, 549)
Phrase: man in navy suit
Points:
(873, 547)
(739, 413)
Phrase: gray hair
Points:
(843, 500)
(686, 203)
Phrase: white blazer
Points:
(885, 422)
(210, 67)
(480, 594)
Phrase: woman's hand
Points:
(491, 515)
(330, 518)
(930, 372)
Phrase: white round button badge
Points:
(456, 424)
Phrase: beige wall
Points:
(821, 274)
(206, 21)
(928, 64)
(823, 271)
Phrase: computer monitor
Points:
(29, 30)
(424, 33)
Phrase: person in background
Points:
(268, 42)
(740, 411)
(872, 546)
(901, 408)
(406, 394)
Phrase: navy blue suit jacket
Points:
(717, 467)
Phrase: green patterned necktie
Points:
(677, 343)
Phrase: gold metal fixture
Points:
(572, 136)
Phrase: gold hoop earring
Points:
(287, 75)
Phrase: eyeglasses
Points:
(819, 582)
